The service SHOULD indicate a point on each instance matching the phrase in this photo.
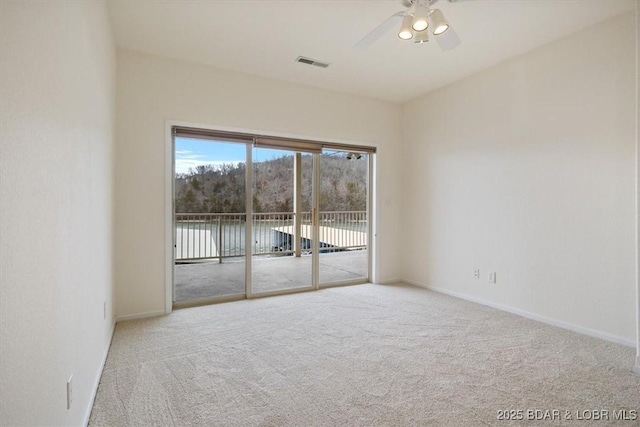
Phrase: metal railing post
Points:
(297, 205)
(220, 245)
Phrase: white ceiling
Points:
(264, 37)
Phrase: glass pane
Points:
(210, 219)
(281, 252)
(343, 216)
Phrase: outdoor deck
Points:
(208, 279)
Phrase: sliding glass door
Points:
(210, 219)
(260, 216)
(282, 221)
(343, 220)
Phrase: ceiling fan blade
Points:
(448, 40)
(379, 31)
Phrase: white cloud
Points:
(186, 160)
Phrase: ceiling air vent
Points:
(310, 61)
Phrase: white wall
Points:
(57, 113)
(528, 169)
(152, 90)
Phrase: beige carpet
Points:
(356, 356)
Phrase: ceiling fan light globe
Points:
(440, 29)
(420, 25)
(406, 33)
(440, 24)
(420, 18)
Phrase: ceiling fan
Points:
(416, 23)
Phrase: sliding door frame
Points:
(261, 139)
(314, 246)
(248, 230)
(370, 235)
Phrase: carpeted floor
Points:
(363, 355)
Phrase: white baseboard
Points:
(87, 415)
(390, 282)
(140, 315)
(553, 322)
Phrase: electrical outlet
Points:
(492, 277)
(69, 392)
(476, 273)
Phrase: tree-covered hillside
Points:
(220, 189)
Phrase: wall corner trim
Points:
(390, 282)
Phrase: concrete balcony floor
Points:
(209, 279)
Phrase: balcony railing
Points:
(202, 236)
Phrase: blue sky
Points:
(195, 152)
